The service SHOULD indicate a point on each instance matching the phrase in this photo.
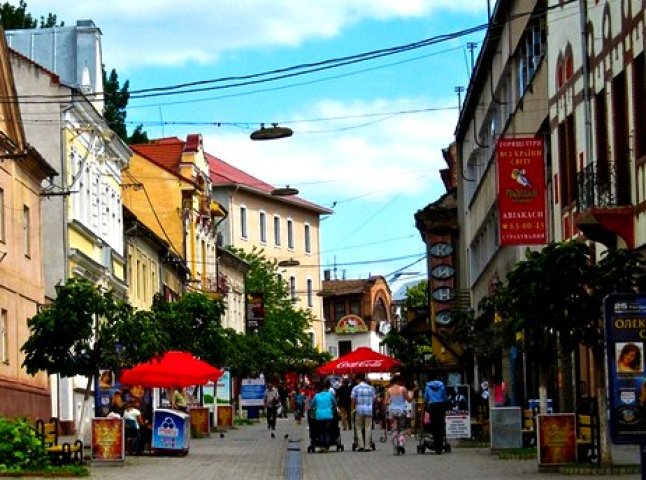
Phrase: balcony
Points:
(604, 211)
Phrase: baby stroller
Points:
(316, 440)
(355, 442)
(431, 431)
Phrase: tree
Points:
(17, 18)
(283, 343)
(116, 99)
(85, 330)
(554, 298)
(192, 323)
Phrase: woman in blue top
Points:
(324, 404)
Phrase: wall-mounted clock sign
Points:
(443, 318)
(442, 272)
(443, 294)
(441, 249)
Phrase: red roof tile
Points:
(165, 152)
(224, 174)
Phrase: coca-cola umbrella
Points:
(361, 360)
(172, 369)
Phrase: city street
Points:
(249, 453)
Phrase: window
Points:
(310, 293)
(4, 337)
(620, 131)
(243, 221)
(333, 351)
(2, 221)
(531, 51)
(26, 230)
(308, 244)
(277, 230)
(355, 307)
(339, 311)
(567, 161)
(290, 234)
(263, 227)
(292, 287)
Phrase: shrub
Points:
(20, 447)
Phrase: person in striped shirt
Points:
(363, 399)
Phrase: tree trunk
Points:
(82, 432)
(605, 453)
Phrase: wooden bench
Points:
(528, 428)
(60, 453)
(586, 442)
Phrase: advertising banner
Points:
(108, 440)
(556, 438)
(255, 310)
(521, 191)
(625, 315)
(252, 392)
(223, 388)
(458, 418)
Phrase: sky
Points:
(368, 136)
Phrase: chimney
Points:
(326, 275)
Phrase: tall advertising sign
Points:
(522, 210)
(255, 310)
(625, 315)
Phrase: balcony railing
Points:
(596, 188)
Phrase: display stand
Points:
(171, 432)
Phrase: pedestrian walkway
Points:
(249, 453)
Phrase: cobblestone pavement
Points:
(249, 453)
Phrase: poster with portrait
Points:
(625, 318)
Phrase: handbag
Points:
(427, 418)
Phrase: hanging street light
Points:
(271, 133)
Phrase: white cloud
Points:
(200, 30)
(400, 154)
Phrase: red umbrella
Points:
(361, 360)
(172, 369)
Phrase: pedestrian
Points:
(396, 397)
(435, 401)
(345, 404)
(271, 401)
(363, 398)
(324, 405)
(299, 405)
(283, 394)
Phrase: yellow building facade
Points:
(22, 291)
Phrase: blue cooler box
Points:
(171, 431)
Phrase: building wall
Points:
(144, 273)
(309, 268)
(495, 106)
(616, 40)
(164, 189)
(21, 276)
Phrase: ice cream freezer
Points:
(171, 432)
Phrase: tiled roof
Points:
(331, 288)
(165, 152)
(224, 174)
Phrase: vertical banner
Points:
(108, 440)
(458, 418)
(255, 310)
(625, 316)
(521, 191)
(556, 438)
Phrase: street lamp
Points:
(286, 191)
(289, 263)
(271, 133)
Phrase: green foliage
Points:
(86, 329)
(558, 292)
(417, 295)
(116, 99)
(193, 324)
(283, 343)
(20, 447)
(409, 350)
(17, 18)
